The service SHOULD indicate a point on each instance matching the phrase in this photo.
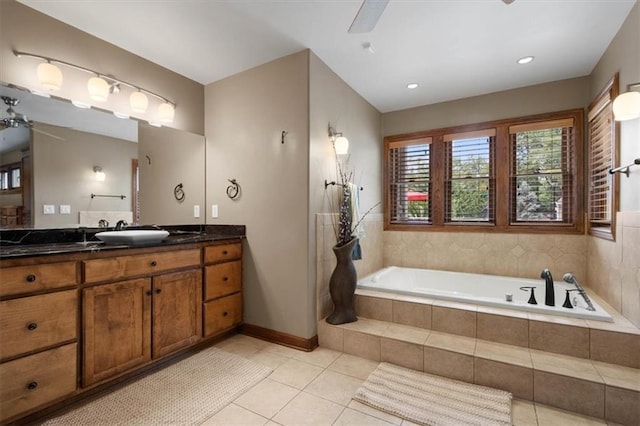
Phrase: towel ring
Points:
(178, 192)
(233, 190)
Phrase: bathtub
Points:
(477, 289)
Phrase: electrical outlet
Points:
(196, 211)
(214, 211)
(48, 209)
(65, 209)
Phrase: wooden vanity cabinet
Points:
(223, 288)
(129, 323)
(38, 335)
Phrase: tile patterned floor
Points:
(315, 388)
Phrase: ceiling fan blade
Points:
(368, 16)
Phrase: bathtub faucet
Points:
(571, 279)
(549, 297)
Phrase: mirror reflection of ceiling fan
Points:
(370, 12)
(15, 120)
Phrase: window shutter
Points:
(469, 177)
(409, 181)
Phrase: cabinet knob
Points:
(158, 291)
(32, 326)
(225, 313)
(32, 385)
(149, 293)
(225, 278)
(154, 263)
(224, 252)
(31, 278)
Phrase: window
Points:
(602, 146)
(10, 177)
(521, 174)
(409, 181)
(541, 171)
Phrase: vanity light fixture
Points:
(49, 76)
(340, 143)
(100, 176)
(100, 86)
(626, 106)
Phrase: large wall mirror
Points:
(65, 166)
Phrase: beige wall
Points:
(541, 98)
(245, 115)
(24, 29)
(333, 101)
(613, 267)
(161, 151)
(56, 180)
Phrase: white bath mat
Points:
(433, 400)
(185, 393)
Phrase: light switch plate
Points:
(65, 209)
(214, 210)
(196, 211)
(48, 209)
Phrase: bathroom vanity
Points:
(76, 316)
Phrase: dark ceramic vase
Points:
(342, 285)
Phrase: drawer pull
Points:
(158, 291)
(225, 313)
(32, 326)
(149, 293)
(31, 278)
(32, 385)
(154, 263)
(225, 278)
(224, 252)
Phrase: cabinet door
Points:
(117, 327)
(177, 311)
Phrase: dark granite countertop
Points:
(17, 243)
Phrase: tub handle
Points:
(532, 297)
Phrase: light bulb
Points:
(98, 89)
(139, 102)
(341, 145)
(49, 76)
(166, 112)
(626, 106)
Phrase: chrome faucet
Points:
(571, 279)
(120, 225)
(102, 223)
(549, 296)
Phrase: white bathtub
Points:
(480, 289)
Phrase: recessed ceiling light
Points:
(525, 60)
(412, 85)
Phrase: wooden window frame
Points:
(502, 175)
(602, 100)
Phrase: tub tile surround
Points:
(580, 385)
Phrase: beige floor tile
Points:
(351, 417)
(366, 325)
(523, 413)
(330, 336)
(281, 350)
(512, 378)
(389, 418)
(362, 345)
(406, 333)
(267, 397)
(580, 396)
(235, 415)
(295, 373)
(409, 355)
(269, 359)
(322, 357)
(336, 387)
(242, 345)
(504, 353)
(450, 342)
(565, 365)
(353, 366)
(619, 376)
(448, 364)
(307, 409)
(550, 416)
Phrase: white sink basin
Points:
(133, 237)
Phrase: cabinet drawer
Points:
(37, 379)
(23, 279)
(36, 322)
(116, 268)
(222, 314)
(222, 279)
(222, 253)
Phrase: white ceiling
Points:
(452, 48)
